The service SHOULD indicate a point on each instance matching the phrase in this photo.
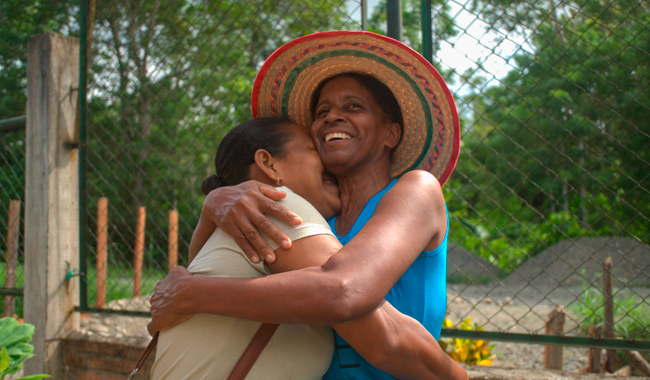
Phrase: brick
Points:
(113, 376)
(73, 359)
(82, 345)
(114, 349)
(82, 374)
(111, 364)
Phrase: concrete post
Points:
(51, 198)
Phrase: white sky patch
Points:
(474, 44)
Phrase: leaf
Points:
(14, 338)
(4, 359)
(34, 377)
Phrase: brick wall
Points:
(88, 359)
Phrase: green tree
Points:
(555, 150)
(168, 80)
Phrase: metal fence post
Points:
(394, 19)
(51, 204)
(427, 30)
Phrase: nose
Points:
(334, 115)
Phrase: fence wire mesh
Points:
(167, 81)
(12, 197)
(554, 172)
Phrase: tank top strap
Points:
(366, 214)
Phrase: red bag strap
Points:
(245, 362)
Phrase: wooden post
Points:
(102, 245)
(172, 248)
(608, 328)
(554, 326)
(639, 361)
(51, 198)
(138, 256)
(595, 332)
(13, 234)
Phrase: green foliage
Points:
(443, 26)
(631, 314)
(14, 347)
(168, 82)
(556, 149)
(21, 19)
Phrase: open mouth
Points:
(337, 136)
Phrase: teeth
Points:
(337, 135)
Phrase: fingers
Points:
(240, 212)
(275, 209)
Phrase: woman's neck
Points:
(355, 191)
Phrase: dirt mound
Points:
(463, 266)
(572, 262)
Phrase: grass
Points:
(119, 283)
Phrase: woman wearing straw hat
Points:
(393, 221)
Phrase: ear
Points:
(267, 164)
(393, 135)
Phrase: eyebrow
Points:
(346, 98)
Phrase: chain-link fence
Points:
(12, 196)
(552, 180)
(167, 81)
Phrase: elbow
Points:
(344, 300)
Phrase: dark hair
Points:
(236, 152)
(382, 94)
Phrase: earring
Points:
(277, 181)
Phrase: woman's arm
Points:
(349, 285)
(399, 345)
(389, 340)
(202, 232)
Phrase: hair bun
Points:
(211, 183)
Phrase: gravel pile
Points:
(572, 262)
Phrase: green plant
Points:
(631, 314)
(14, 347)
(467, 351)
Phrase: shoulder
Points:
(419, 179)
(301, 207)
(417, 186)
(313, 222)
(417, 196)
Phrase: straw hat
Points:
(431, 136)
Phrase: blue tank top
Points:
(420, 293)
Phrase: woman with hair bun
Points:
(279, 153)
(386, 126)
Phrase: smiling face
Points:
(350, 129)
(302, 170)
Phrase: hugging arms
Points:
(346, 289)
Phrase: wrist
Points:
(184, 301)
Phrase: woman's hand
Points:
(165, 301)
(239, 212)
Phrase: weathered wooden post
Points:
(172, 248)
(102, 245)
(594, 364)
(138, 252)
(13, 234)
(554, 326)
(51, 197)
(608, 299)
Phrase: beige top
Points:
(208, 346)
